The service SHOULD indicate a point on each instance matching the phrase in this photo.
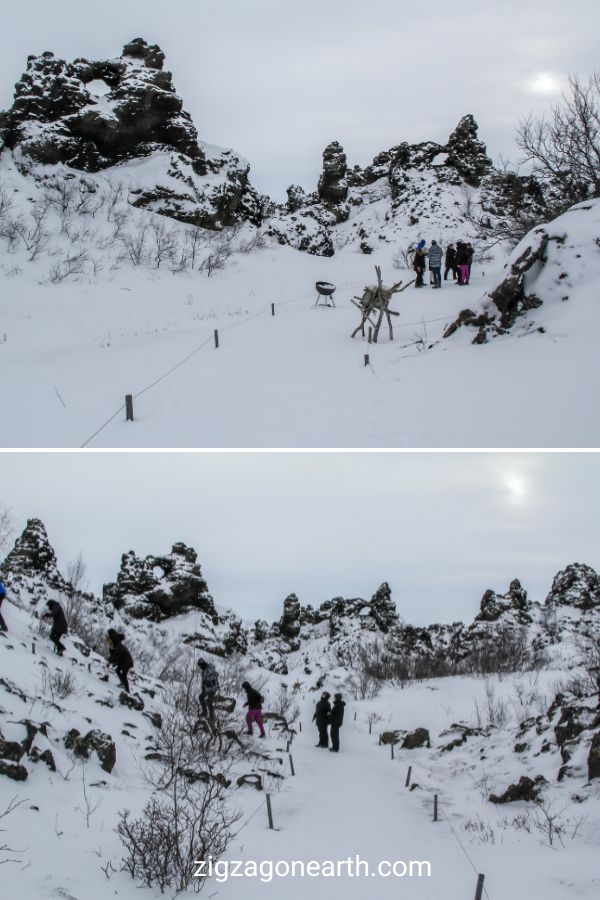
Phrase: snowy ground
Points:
(336, 806)
(71, 352)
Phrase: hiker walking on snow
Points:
(321, 717)
(2, 596)
(436, 255)
(450, 262)
(254, 704)
(59, 625)
(210, 687)
(336, 717)
(119, 656)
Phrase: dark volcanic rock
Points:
(466, 153)
(494, 605)
(11, 770)
(594, 757)
(290, 621)
(102, 743)
(333, 186)
(93, 115)
(526, 789)
(577, 585)
(416, 739)
(158, 587)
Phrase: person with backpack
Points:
(321, 718)
(3, 626)
(254, 704)
(210, 687)
(435, 263)
(119, 656)
(60, 626)
(450, 262)
(336, 718)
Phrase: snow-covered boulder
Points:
(578, 585)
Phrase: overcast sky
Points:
(278, 81)
(440, 528)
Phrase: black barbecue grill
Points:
(327, 290)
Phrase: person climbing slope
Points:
(321, 718)
(119, 656)
(336, 718)
(60, 626)
(210, 687)
(254, 704)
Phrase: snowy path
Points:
(348, 804)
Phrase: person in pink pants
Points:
(254, 704)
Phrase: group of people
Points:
(329, 716)
(457, 260)
(118, 654)
(210, 688)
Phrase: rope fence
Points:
(268, 309)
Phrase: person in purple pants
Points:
(254, 704)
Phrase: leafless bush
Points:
(402, 258)
(554, 822)
(504, 650)
(70, 264)
(134, 243)
(58, 685)
(7, 527)
(91, 804)
(4, 848)
(217, 257)
(186, 823)
(494, 712)
(284, 705)
(480, 830)
(163, 243)
(29, 230)
(256, 242)
(564, 148)
(6, 202)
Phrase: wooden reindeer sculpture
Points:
(376, 298)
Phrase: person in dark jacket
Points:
(462, 261)
(450, 262)
(3, 626)
(321, 717)
(470, 255)
(210, 688)
(419, 266)
(254, 704)
(336, 718)
(119, 656)
(59, 625)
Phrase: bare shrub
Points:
(70, 264)
(504, 650)
(134, 243)
(7, 527)
(163, 243)
(7, 852)
(58, 685)
(185, 823)
(494, 712)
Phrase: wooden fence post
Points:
(479, 888)
(269, 811)
(435, 807)
(380, 740)
(300, 725)
(216, 339)
(355, 715)
(366, 359)
(272, 309)
(408, 774)
(292, 765)
(128, 407)
(370, 335)
(392, 746)
(33, 647)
